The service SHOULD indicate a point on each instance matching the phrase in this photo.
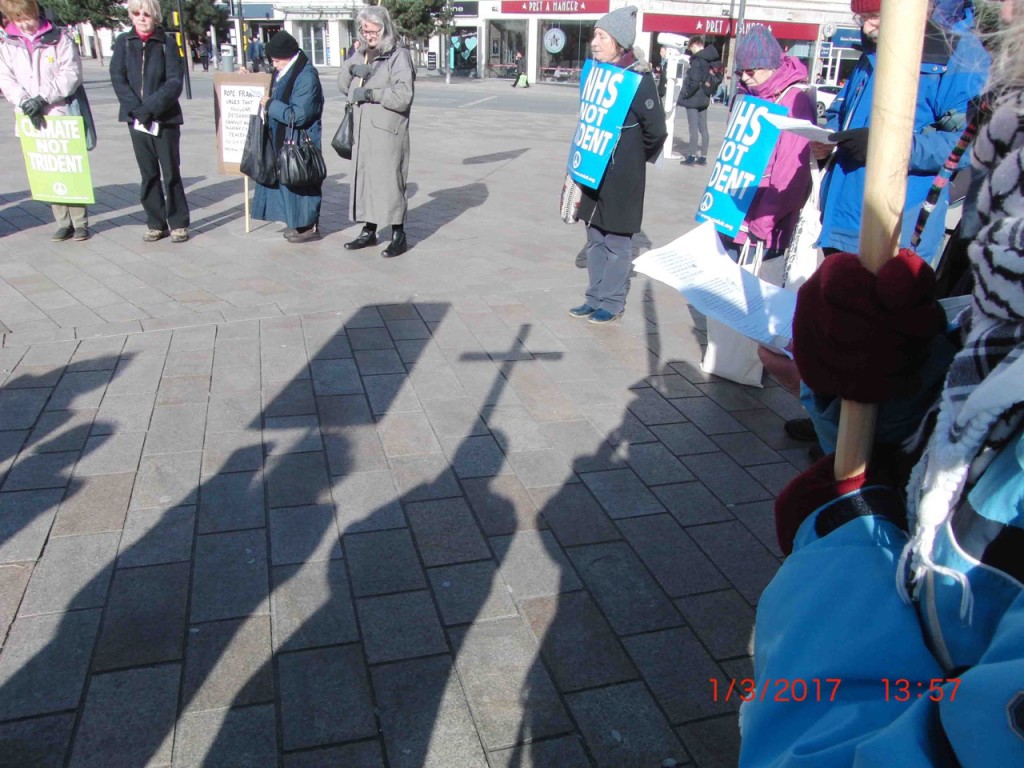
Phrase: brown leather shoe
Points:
(307, 235)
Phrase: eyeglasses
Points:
(370, 32)
(143, 14)
(860, 19)
(747, 72)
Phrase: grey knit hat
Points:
(620, 24)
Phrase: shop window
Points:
(565, 46)
(462, 51)
(505, 38)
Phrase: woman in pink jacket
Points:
(766, 73)
(40, 70)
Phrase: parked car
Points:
(826, 95)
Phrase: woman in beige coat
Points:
(379, 80)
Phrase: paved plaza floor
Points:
(266, 504)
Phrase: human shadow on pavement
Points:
(444, 206)
(495, 157)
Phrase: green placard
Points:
(56, 160)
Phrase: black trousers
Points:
(159, 156)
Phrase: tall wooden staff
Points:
(900, 39)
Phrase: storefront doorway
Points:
(312, 39)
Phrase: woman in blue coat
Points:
(296, 98)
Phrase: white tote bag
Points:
(803, 255)
(730, 354)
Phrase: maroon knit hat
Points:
(866, 6)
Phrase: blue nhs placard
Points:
(741, 162)
(606, 92)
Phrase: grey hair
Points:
(377, 14)
(152, 7)
(1007, 73)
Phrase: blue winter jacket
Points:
(954, 69)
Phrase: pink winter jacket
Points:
(786, 182)
(47, 66)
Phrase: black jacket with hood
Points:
(148, 77)
(692, 95)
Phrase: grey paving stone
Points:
(714, 742)
(446, 532)
(226, 737)
(455, 417)
(178, 390)
(391, 393)
(128, 719)
(502, 504)
(236, 352)
(759, 518)
(574, 515)
(167, 480)
(774, 477)
(533, 565)
(731, 397)
(400, 627)
(369, 338)
(381, 562)
(618, 426)
(13, 580)
(147, 344)
(374, 362)
(303, 534)
(311, 606)
(292, 434)
(673, 385)
(176, 429)
(768, 426)
(38, 743)
(230, 577)
(421, 352)
(124, 413)
(34, 376)
(708, 416)
(145, 620)
(725, 478)
(367, 501)
(79, 390)
(44, 663)
(621, 493)
(421, 478)
(41, 470)
(232, 452)
(655, 464)
(325, 697)
(365, 754)
(510, 694)
(189, 363)
(25, 520)
(19, 408)
(781, 402)
(576, 642)
(232, 502)
(723, 621)
(409, 328)
(229, 379)
(746, 450)
(651, 408)
(233, 413)
(335, 377)
(692, 503)
(424, 716)
(291, 398)
(540, 468)
(228, 664)
(57, 431)
(684, 439)
(11, 442)
(198, 338)
(624, 729)
(679, 670)
(435, 382)
(740, 556)
(136, 375)
(407, 434)
(157, 536)
(73, 573)
(676, 562)
(297, 479)
(630, 598)
(470, 592)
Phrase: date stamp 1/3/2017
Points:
(827, 689)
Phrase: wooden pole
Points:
(246, 191)
(901, 36)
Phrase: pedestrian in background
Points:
(204, 56)
(40, 69)
(297, 99)
(614, 211)
(380, 83)
(256, 53)
(147, 73)
(695, 98)
(520, 71)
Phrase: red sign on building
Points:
(723, 26)
(555, 6)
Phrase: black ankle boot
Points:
(366, 238)
(398, 245)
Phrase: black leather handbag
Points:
(345, 135)
(300, 162)
(258, 160)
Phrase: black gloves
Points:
(853, 143)
(360, 70)
(360, 95)
(33, 109)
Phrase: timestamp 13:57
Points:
(902, 689)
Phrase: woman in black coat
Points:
(147, 73)
(613, 212)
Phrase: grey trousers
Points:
(609, 262)
(76, 216)
(697, 121)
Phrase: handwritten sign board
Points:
(56, 160)
(606, 92)
(235, 97)
(741, 162)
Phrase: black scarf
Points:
(286, 93)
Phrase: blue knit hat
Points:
(757, 49)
